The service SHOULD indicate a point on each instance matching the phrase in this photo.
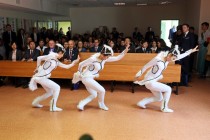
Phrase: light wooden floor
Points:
(124, 121)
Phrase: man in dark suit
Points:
(32, 53)
(144, 48)
(8, 37)
(68, 33)
(52, 48)
(128, 43)
(71, 53)
(96, 47)
(150, 35)
(187, 42)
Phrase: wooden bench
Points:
(123, 70)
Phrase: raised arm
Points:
(120, 56)
(186, 53)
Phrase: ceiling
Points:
(110, 3)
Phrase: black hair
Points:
(185, 24)
(106, 52)
(206, 24)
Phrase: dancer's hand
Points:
(135, 79)
(77, 60)
(195, 49)
(127, 48)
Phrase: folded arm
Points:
(148, 65)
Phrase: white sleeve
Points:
(85, 63)
(148, 65)
(41, 58)
(116, 58)
(65, 66)
(183, 55)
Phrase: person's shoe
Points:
(140, 104)
(25, 86)
(167, 110)
(36, 104)
(17, 85)
(80, 106)
(53, 107)
(103, 106)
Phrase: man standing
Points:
(8, 37)
(187, 42)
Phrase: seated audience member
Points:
(41, 46)
(85, 45)
(154, 48)
(90, 42)
(15, 55)
(128, 42)
(80, 47)
(66, 45)
(161, 44)
(96, 47)
(112, 44)
(71, 53)
(32, 53)
(52, 48)
(145, 48)
(28, 40)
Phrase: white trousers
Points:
(161, 92)
(94, 88)
(51, 88)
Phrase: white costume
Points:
(93, 66)
(157, 65)
(41, 77)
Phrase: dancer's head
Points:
(173, 54)
(106, 52)
(60, 54)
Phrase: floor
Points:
(124, 120)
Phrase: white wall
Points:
(204, 11)
(193, 14)
(23, 15)
(50, 7)
(124, 18)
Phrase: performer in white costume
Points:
(157, 65)
(42, 73)
(94, 65)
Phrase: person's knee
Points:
(102, 91)
(159, 98)
(168, 90)
(94, 95)
(149, 85)
(56, 88)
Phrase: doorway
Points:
(166, 25)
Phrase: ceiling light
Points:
(119, 3)
(141, 4)
(165, 2)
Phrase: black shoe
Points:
(25, 86)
